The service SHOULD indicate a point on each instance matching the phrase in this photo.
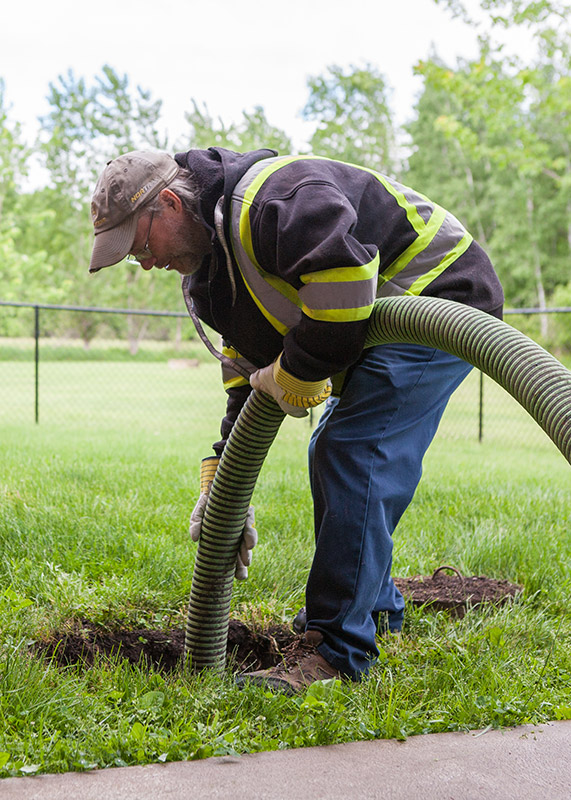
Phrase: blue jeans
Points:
(365, 462)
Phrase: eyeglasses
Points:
(136, 258)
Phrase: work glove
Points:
(208, 467)
(293, 395)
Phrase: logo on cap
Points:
(141, 192)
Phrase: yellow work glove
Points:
(293, 395)
(208, 467)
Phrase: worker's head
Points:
(144, 206)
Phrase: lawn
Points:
(93, 528)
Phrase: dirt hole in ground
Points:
(161, 649)
(83, 641)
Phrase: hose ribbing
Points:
(528, 372)
(222, 526)
(540, 383)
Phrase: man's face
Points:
(173, 239)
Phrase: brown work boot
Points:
(302, 665)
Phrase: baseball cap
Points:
(126, 184)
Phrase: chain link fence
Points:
(97, 368)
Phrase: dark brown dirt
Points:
(455, 593)
(161, 649)
(250, 650)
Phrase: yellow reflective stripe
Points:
(422, 282)
(338, 314)
(273, 167)
(420, 243)
(233, 382)
(343, 274)
(410, 209)
(245, 234)
(426, 232)
(251, 191)
(274, 321)
(339, 274)
(246, 241)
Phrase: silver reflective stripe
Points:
(422, 204)
(230, 376)
(400, 276)
(254, 171)
(277, 300)
(440, 240)
(390, 289)
(348, 294)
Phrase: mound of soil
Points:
(161, 649)
(455, 593)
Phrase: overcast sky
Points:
(228, 54)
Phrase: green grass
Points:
(68, 349)
(93, 525)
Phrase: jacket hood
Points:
(216, 172)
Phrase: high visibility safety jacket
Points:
(303, 246)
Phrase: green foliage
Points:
(89, 124)
(252, 132)
(489, 141)
(512, 12)
(13, 155)
(23, 269)
(562, 333)
(352, 112)
(498, 131)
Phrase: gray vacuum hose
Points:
(529, 373)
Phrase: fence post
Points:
(37, 361)
(481, 409)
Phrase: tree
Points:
(506, 124)
(13, 154)
(23, 265)
(252, 132)
(438, 164)
(354, 121)
(89, 124)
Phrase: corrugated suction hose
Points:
(530, 374)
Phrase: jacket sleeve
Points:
(306, 238)
(237, 390)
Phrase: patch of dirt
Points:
(455, 593)
(161, 649)
(249, 650)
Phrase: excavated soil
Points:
(455, 593)
(84, 641)
(161, 649)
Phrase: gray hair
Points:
(184, 185)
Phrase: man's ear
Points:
(171, 201)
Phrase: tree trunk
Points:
(136, 332)
(536, 258)
(481, 235)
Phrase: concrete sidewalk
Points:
(532, 762)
